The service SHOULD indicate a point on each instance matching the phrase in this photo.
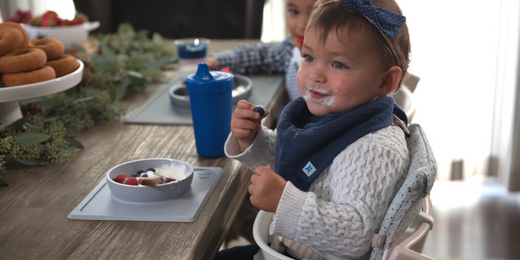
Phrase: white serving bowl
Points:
(166, 191)
(68, 35)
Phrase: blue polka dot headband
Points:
(386, 21)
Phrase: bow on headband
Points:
(386, 21)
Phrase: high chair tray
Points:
(99, 204)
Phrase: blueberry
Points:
(140, 172)
(150, 170)
(259, 110)
(144, 175)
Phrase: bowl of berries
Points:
(69, 32)
(150, 180)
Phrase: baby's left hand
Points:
(266, 188)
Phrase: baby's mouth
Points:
(318, 94)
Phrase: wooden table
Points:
(34, 208)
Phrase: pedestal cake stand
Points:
(9, 96)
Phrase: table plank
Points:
(34, 208)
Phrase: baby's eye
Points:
(308, 58)
(293, 12)
(338, 65)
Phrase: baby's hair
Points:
(334, 15)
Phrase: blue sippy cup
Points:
(210, 102)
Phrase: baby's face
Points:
(297, 15)
(339, 76)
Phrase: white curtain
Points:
(273, 25)
(458, 51)
(64, 8)
(505, 140)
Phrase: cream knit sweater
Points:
(346, 204)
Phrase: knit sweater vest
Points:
(307, 144)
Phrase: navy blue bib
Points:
(307, 144)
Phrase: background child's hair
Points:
(334, 15)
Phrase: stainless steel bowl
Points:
(179, 96)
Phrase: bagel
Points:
(64, 65)
(23, 78)
(22, 60)
(54, 48)
(10, 40)
(17, 26)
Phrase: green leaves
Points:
(112, 92)
(31, 138)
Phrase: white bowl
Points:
(166, 191)
(68, 35)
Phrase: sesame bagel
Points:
(64, 65)
(24, 78)
(54, 48)
(23, 60)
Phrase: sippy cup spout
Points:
(203, 72)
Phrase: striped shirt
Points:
(267, 58)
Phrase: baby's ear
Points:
(391, 80)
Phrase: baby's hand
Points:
(266, 188)
(245, 123)
(212, 63)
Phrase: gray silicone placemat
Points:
(159, 111)
(99, 204)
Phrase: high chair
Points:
(405, 227)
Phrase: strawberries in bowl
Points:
(51, 19)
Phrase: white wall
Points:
(64, 8)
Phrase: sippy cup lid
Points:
(205, 81)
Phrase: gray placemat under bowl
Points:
(100, 205)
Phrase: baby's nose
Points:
(302, 23)
(317, 75)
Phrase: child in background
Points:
(282, 57)
(339, 153)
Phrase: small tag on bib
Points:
(309, 169)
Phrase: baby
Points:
(282, 57)
(339, 153)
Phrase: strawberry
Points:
(121, 178)
(298, 42)
(131, 181)
(49, 15)
(167, 179)
(80, 18)
(36, 21)
(226, 69)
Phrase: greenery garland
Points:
(127, 62)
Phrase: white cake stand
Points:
(9, 96)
